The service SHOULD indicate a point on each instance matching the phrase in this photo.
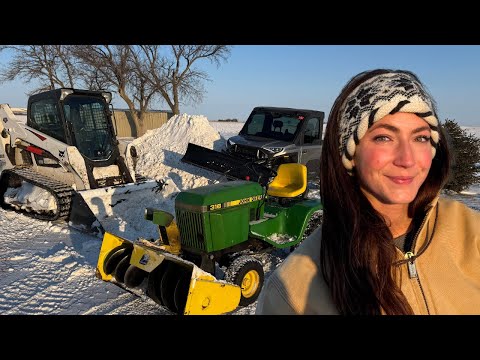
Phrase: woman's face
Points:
(392, 160)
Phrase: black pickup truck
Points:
(280, 135)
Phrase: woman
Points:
(388, 243)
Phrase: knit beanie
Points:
(377, 97)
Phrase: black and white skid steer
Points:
(65, 157)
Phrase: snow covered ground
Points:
(49, 268)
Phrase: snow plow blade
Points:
(170, 281)
(227, 165)
(93, 210)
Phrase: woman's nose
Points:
(404, 156)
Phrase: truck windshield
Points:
(276, 126)
(91, 133)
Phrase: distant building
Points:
(126, 128)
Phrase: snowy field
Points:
(49, 268)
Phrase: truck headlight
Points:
(275, 149)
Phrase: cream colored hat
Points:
(378, 96)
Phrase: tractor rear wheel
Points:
(246, 272)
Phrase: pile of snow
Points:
(160, 150)
(159, 153)
(30, 197)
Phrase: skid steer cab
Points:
(207, 259)
(67, 154)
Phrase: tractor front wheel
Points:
(246, 272)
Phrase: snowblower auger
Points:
(172, 282)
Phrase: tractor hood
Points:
(219, 196)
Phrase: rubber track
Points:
(63, 193)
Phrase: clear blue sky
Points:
(311, 76)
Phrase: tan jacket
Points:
(448, 269)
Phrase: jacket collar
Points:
(424, 235)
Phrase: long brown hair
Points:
(357, 250)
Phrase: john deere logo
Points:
(144, 259)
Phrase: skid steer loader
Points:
(206, 259)
(51, 165)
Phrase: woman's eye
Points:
(381, 138)
(423, 138)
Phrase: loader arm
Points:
(23, 137)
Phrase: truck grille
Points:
(250, 152)
(190, 225)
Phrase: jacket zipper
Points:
(412, 268)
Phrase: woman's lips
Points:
(401, 180)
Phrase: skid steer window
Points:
(89, 121)
(44, 116)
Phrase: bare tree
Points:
(106, 66)
(137, 73)
(51, 65)
(174, 75)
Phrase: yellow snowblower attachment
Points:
(173, 282)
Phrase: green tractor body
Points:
(217, 217)
(221, 216)
(220, 226)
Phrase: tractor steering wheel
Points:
(265, 173)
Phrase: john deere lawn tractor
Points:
(205, 260)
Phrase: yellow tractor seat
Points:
(291, 181)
